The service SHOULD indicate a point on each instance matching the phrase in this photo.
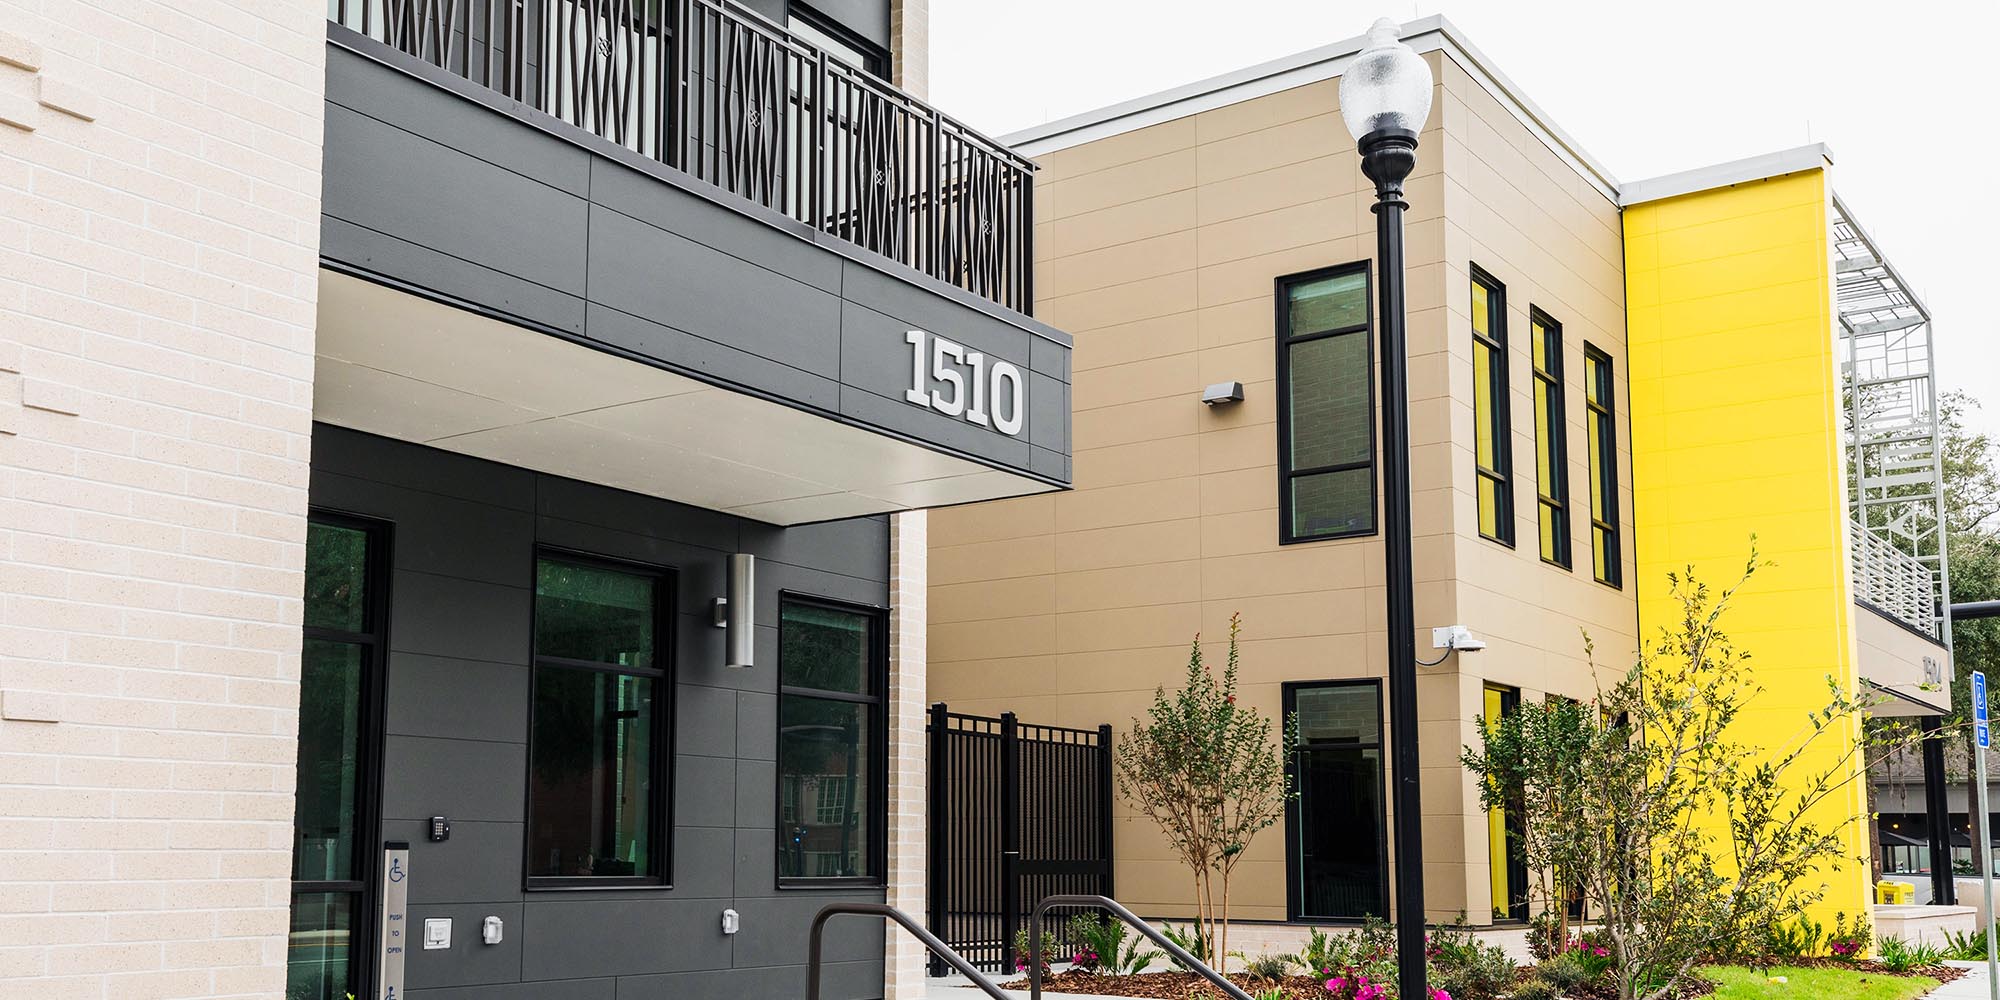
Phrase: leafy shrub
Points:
(1801, 938)
(1897, 955)
(1188, 939)
(1565, 972)
(1848, 943)
(1274, 993)
(1965, 946)
(1102, 946)
(1317, 955)
(1545, 935)
(1023, 954)
(1267, 966)
(1466, 968)
(1536, 989)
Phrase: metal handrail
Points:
(1117, 909)
(887, 912)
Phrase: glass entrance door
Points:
(332, 826)
(1337, 854)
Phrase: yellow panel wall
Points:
(1735, 402)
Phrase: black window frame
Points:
(1502, 472)
(878, 745)
(1603, 411)
(1551, 499)
(661, 809)
(1289, 692)
(374, 639)
(877, 60)
(1286, 341)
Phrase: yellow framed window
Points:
(1551, 439)
(1493, 463)
(1602, 429)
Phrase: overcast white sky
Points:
(1907, 94)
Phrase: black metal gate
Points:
(1018, 812)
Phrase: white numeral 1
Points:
(916, 393)
(977, 411)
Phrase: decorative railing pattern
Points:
(1893, 580)
(724, 95)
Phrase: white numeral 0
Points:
(967, 397)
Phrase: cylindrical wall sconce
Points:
(742, 612)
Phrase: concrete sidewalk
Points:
(1971, 987)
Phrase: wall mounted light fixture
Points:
(737, 613)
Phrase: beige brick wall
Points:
(1516, 209)
(909, 697)
(159, 202)
(1158, 249)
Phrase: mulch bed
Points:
(1188, 986)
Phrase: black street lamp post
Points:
(1385, 97)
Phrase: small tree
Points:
(1690, 841)
(1208, 772)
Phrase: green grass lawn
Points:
(1815, 984)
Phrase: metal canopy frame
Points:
(1892, 422)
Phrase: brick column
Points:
(910, 38)
(159, 247)
(909, 846)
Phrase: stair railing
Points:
(1116, 909)
(929, 940)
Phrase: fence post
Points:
(940, 823)
(1106, 798)
(1010, 829)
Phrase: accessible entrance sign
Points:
(1984, 736)
(395, 919)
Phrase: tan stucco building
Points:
(1221, 232)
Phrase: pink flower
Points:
(1438, 994)
(1336, 984)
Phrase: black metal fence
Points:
(1019, 812)
(719, 92)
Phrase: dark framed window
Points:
(338, 776)
(836, 40)
(1337, 849)
(1326, 406)
(1551, 439)
(1602, 429)
(833, 664)
(1492, 447)
(599, 737)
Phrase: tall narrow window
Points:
(1493, 462)
(1506, 865)
(1326, 410)
(1551, 439)
(337, 682)
(1337, 852)
(597, 746)
(832, 665)
(1603, 431)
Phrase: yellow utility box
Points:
(1895, 893)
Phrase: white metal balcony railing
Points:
(718, 92)
(1893, 581)
(1891, 430)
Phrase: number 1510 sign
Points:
(963, 383)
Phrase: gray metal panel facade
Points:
(463, 539)
(441, 187)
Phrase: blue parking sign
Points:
(1980, 730)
